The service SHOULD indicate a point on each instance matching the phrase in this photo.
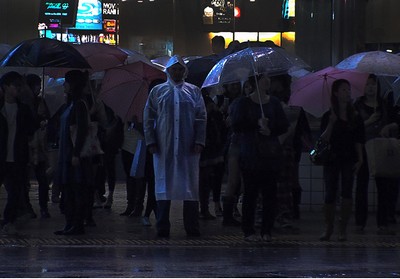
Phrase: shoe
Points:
(385, 231)
(44, 214)
(266, 238)
(136, 213)
(359, 229)
(108, 202)
(252, 238)
(127, 211)
(194, 233)
(8, 228)
(163, 233)
(62, 232)
(74, 231)
(90, 223)
(207, 216)
(146, 221)
(236, 212)
(102, 199)
(218, 212)
(32, 214)
(231, 222)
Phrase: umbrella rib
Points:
(131, 105)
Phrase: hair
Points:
(10, 78)
(32, 80)
(218, 40)
(78, 80)
(350, 110)
(285, 80)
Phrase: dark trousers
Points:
(41, 177)
(135, 188)
(361, 193)
(15, 177)
(255, 181)
(106, 172)
(332, 173)
(151, 204)
(190, 216)
(210, 180)
(387, 190)
(78, 197)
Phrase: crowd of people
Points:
(248, 136)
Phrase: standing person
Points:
(212, 160)
(289, 189)
(38, 144)
(74, 172)
(253, 126)
(16, 126)
(175, 126)
(133, 132)
(369, 106)
(343, 128)
(218, 45)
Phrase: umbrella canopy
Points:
(373, 62)
(134, 56)
(102, 56)
(313, 91)
(161, 61)
(199, 68)
(4, 49)
(44, 52)
(241, 65)
(125, 89)
(54, 94)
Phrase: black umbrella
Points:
(44, 52)
(200, 67)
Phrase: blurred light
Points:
(389, 50)
(237, 12)
(252, 0)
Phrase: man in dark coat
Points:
(16, 126)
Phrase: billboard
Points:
(58, 12)
(89, 15)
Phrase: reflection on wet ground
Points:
(122, 247)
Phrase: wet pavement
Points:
(122, 247)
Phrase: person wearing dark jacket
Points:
(16, 127)
(74, 172)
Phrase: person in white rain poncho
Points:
(175, 129)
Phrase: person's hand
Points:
(75, 161)
(263, 124)
(153, 148)
(357, 166)
(43, 124)
(374, 117)
(198, 148)
(388, 130)
(332, 117)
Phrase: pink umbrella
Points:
(312, 92)
(125, 88)
(102, 56)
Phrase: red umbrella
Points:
(125, 88)
(312, 92)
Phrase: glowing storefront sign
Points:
(89, 16)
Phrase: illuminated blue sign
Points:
(89, 16)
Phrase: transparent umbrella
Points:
(241, 65)
(380, 63)
(252, 61)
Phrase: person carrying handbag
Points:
(343, 128)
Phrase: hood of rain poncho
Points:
(174, 60)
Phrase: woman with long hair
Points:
(343, 128)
